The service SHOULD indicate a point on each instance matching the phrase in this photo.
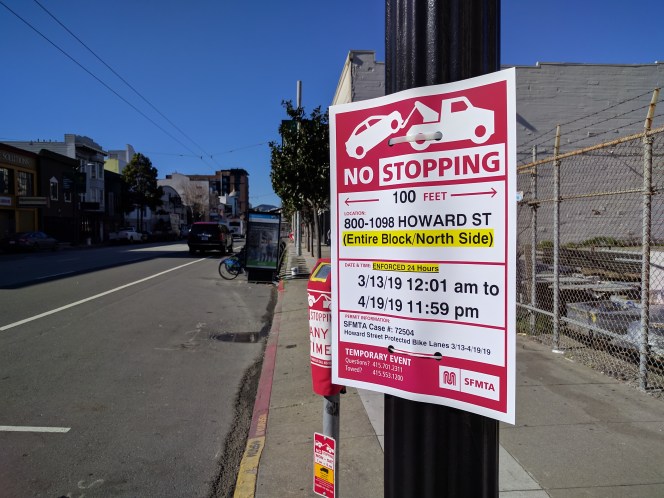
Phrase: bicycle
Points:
(230, 267)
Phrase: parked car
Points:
(237, 228)
(209, 236)
(125, 234)
(29, 241)
(632, 338)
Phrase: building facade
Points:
(171, 217)
(228, 193)
(58, 182)
(558, 93)
(114, 191)
(194, 195)
(362, 78)
(18, 182)
(222, 196)
(118, 159)
(90, 173)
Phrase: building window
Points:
(25, 183)
(6, 181)
(53, 188)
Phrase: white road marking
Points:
(19, 428)
(166, 248)
(96, 296)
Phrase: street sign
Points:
(32, 201)
(324, 448)
(424, 245)
(262, 241)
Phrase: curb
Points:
(245, 486)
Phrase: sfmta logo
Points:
(449, 378)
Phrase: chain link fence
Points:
(590, 276)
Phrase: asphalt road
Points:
(120, 369)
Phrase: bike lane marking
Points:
(92, 298)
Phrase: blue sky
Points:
(217, 71)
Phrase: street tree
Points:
(196, 198)
(300, 171)
(140, 178)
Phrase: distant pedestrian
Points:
(263, 250)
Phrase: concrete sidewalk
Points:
(578, 432)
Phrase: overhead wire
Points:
(230, 151)
(121, 78)
(239, 148)
(104, 84)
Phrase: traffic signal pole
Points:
(433, 450)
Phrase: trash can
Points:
(319, 298)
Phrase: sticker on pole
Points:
(324, 448)
(423, 201)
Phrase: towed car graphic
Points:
(371, 132)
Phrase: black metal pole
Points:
(433, 450)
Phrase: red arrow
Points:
(492, 193)
(348, 201)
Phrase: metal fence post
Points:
(606, 187)
(533, 244)
(556, 244)
(646, 236)
(645, 265)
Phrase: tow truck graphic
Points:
(327, 300)
(324, 446)
(458, 120)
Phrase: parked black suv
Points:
(209, 236)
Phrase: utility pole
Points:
(298, 221)
(433, 450)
